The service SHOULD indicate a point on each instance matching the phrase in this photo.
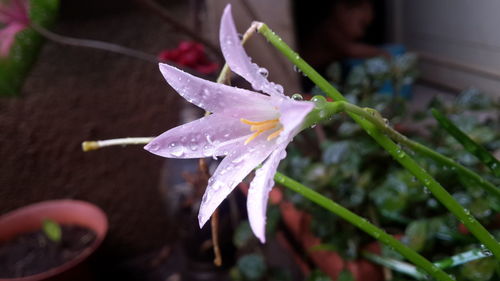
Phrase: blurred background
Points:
(399, 56)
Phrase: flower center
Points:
(261, 127)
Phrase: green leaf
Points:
(252, 267)
(479, 270)
(416, 235)
(52, 230)
(470, 145)
(14, 67)
(242, 235)
(345, 275)
(318, 275)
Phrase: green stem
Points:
(395, 150)
(364, 225)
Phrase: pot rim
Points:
(30, 217)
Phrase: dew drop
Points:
(297, 97)
(209, 140)
(177, 151)
(296, 69)
(207, 151)
(238, 159)
(193, 147)
(264, 72)
(205, 198)
(487, 252)
(278, 88)
(426, 190)
(153, 146)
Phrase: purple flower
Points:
(13, 18)
(247, 128)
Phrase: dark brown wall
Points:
(74, 94)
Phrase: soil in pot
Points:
(33, 252)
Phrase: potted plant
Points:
(46, 239)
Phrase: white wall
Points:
(459, 40)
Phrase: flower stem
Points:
(94, 145)
(383, 140)
(94, 44)
(364, 225)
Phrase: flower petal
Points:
(239, 61)
(239, 162)
(292, 116)
(200, 138)
(258, 193)
(7, 37)
(218, 98)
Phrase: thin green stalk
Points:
(469, 144)
(364, 225)
(395, 150)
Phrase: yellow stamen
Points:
(253, 136)
(248, 122)
(275, 134)
(263, 127)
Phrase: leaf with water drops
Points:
(470, 145)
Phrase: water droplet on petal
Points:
(297, 97)
(177, 151)
(264, 72)
(153, 146)
(205, 198)
(209, 140)
(278, 88)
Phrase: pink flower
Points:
(13, 18)
(247, 128)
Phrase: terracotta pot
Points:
(75, 212)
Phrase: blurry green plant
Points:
(366, 180)
(24, 51)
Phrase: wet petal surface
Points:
(200, 138)
(258, 194)
(218, 98)
(238, 60)
(231, 171)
